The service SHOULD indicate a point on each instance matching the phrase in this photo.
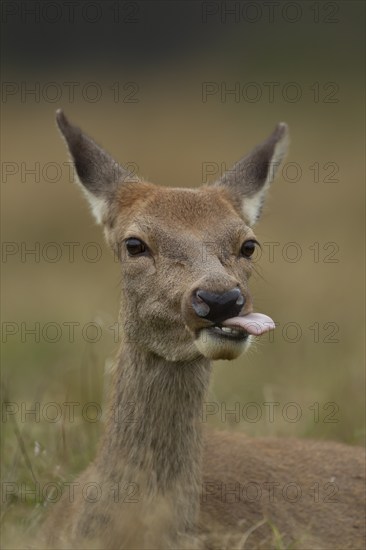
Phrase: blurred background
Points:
(179, 91)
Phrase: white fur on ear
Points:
(252, 207)
(98, 206)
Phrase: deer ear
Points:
(249, 179)
(98, 173)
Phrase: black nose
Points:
(218, 307)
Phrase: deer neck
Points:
(153, 435)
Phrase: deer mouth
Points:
(230, 338)
(239, 328)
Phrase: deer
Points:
(184, 305)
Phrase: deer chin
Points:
(216, 343)
(231, 338)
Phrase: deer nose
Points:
(217, 307)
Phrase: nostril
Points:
(240, 301)
(199, 305)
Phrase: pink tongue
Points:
(254, 323)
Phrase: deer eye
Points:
(135, 247)
(248, 248)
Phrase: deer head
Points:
(185, 253)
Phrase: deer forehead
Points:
(185, 214)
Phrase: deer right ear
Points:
(99, 174)
(249, 179)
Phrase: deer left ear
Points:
(249, 179)
(99, 174)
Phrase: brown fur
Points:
(189, 485)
